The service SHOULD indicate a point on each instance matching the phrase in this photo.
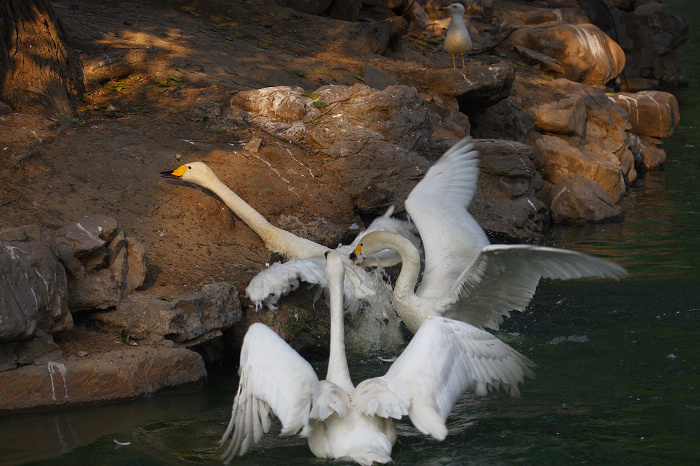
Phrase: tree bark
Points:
(39, 73)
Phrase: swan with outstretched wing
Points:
(465, 277)
(443, 360)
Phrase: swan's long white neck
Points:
(410, 261)
(405, 297)
(275, 239)
(338, 371)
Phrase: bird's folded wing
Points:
(281, 278)
(443, 360)
(273, 378)
(504, 278)
(330, 399)
(438, 207)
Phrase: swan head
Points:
(195, 172)
(373, 243)
(456, 9)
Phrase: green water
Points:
(618, 376)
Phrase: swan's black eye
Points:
(325, 254)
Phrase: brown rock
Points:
(506, 203)
(190, 319)
(575, 198)
(566, 116)
(651, 113)
(648, 152)
(284, 103)
(115, 375)
(586, 53)
(557, 158)
(104, 265)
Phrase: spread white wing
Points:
(505, 277)
(273, 379)
(451, 237)
(444, 359)
(485, 282)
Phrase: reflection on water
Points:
(618, 362)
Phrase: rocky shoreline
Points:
(565, 118)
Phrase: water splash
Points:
(372, 325)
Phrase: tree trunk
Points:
(38, 72)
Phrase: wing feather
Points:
(281, 278)
(444, 359)
(505, 277)
(273, 379)
(438, 206)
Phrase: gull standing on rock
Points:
(457, 40)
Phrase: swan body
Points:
(281, 278)
(457, 40)
(443, 360)
(465, 277)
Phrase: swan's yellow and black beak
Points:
(356, 256)
(175, 174)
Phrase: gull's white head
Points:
(456, 10)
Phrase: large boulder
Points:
(33, 296)
(586, 54)
(649, 33)
(557, 158)
(651, 113)
(104, 265)
(113, 375)
(371, 138)
(188, 320)
(369, 135)
(506, 203)
(33, 285)
(286, 103)
(397, 113)
(577, 199)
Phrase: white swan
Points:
(443, 360)
(465, 277)
(276, 281)
(457, 40)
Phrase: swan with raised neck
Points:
(275, 239)
(465, 277)
(341, 421)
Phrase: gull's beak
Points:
(356, 256)
(174, 174)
